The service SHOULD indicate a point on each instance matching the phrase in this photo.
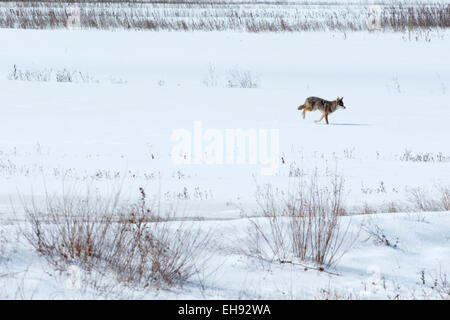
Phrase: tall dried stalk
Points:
(304, 224)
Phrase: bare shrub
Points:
(437, 282)
(378, 235)
(240, 78)
(47, 75)
(444, 197)
(140, 245)
(396, 84)
(421, 199)
(3, 242)
(211, 78)
(28, 75)
(367, 209)
(408, 155)
(393, 207)
(304, 224)
(336, 294)
(441, 285)
(63, 76)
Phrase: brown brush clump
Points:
(220, 15)
(304, 224)
(138, 244)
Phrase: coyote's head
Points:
(340, 102)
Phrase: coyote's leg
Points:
(326, 118)
(304, 113)
(320, 118)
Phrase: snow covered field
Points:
(116, 110)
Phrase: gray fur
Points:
(324, 106)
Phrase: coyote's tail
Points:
(301, 107)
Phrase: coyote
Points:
(325, 106)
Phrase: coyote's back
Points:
(315, 103)
(324, 106)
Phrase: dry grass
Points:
(248, 16)
(304, 224)
(436, 283)
(3, 243)
(241, 78)
(211, 79)
(421, 200)
(444, 198)
(378, 235)
(336, 294)
(393, 207)
(367, 209)
(46, 75)
(140, 245)
(441, 285)
(429, 157)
